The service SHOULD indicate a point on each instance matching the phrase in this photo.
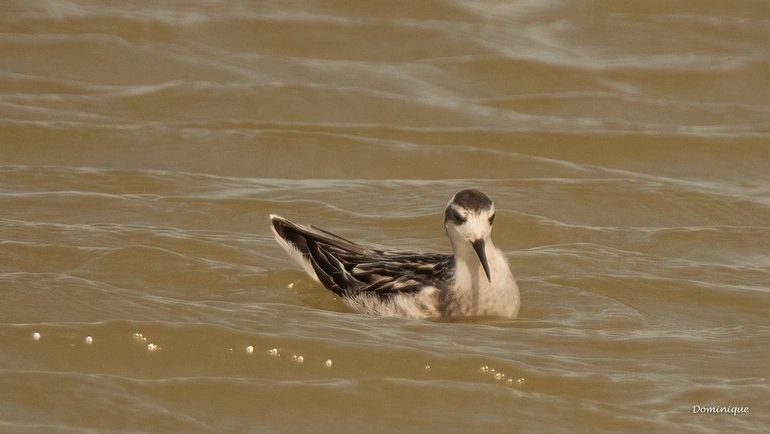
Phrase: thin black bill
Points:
(478, 246)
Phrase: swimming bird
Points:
(473, 281)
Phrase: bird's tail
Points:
(302, 243)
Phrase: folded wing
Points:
(348, 269)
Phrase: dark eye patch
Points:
(454, 216)
(491, 219)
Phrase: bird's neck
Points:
(498, 297)
(467, 261)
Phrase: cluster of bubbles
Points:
(300, 359)
(139, 338)
(296, 358)
(502, 377)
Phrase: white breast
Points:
(477, 295)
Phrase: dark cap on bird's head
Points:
(472, 200)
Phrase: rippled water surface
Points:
(143, 145)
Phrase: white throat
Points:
(497, 296)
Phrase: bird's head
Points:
(468, 220)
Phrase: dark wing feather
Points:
(348, 268)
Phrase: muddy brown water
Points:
(143, 145)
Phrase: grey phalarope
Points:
(474, 281)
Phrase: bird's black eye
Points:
(491, 219)
(452, 214)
